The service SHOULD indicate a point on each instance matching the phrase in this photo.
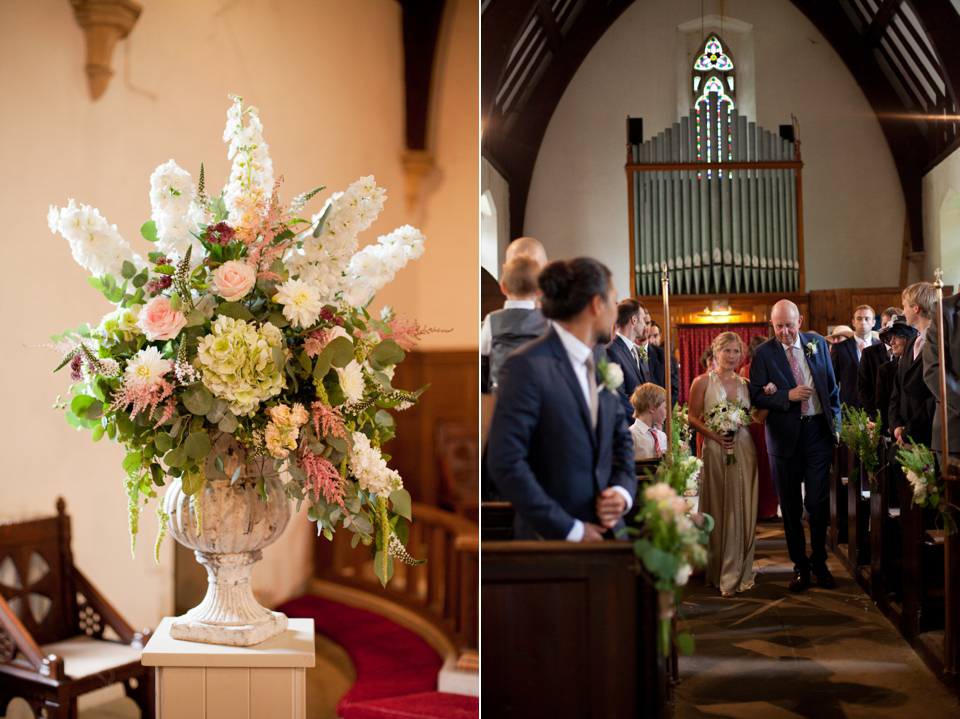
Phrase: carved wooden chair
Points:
(59, 637)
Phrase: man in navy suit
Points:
(795, 368)
(623, 350)
(846, 355)
(656, 360)
(559, 447)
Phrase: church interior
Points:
(595, 116)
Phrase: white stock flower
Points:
(370, 469)
(95, 245)
(351, 381)
(682, 575)
(147, 367)
(301, 302)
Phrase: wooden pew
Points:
(886, 573)
(858, 521)
(837, 533)
(569, 630)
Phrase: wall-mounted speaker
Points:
(635, 130)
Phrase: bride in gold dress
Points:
(728, 492)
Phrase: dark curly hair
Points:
(567, 286)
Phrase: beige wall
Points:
(327, 78)
(941, 221)
(853, 204)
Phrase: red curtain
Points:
(693, 339)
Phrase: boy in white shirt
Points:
(649, 402)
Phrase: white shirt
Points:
(486, 332)
(815, 406)
(577, 353)
(869, 340)
(643, 445)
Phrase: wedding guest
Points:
(896, 334)
(873, 356)
(649, 403)
(839, 334)
(767, 503)
(728, 492)
(559, 447)
(911, 401)
(931, 375)
(654, 338)
(623, 350)
(653, 362)
(804, 411)
(846, 354)
(526, 246)
(520, 320)
(653, 333)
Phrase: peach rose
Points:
(158, 321)
(233, 280)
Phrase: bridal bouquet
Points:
(248, 321)
(673, 541)
(726, 418)
(919, 467)
(858, 431)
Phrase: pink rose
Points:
(232, 280)
(158, 321)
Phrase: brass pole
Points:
(667, 354)
(942, 358)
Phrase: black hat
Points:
(897, 327)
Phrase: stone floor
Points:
(824, 654)
(326, 683)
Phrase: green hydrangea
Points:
(237, 364)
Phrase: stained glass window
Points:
(713, 57)
(713, 75)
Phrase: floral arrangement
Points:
(678, 468)
(859, 433)
(641, 352)
(611, 374)
(919, 467)
(726, 418)
(672, 542)
(813, 346)
(251, 322)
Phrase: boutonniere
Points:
(641, 352)
(611, 373)
(812, 347)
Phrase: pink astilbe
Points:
(322, 477)
(274, 219)
(406, 333)
(142, 396)
(328, 421)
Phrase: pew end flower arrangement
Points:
(248, 324)
(671, 539)
(919, 466)
(859, 432)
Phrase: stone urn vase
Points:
(235, 525)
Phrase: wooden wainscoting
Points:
(452, 399)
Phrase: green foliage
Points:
(859, 432)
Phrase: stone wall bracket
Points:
(103, 22)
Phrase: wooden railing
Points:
(444, 591)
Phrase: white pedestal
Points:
(211, 681)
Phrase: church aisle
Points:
(828, 654)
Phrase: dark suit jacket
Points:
(931, 370)
(843, 355)
(870, 360)
(886, 375)
(618, 352)
(911, 402)
(770, 364)
(655, 359)
(543, 455)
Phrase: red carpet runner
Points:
(396, 669)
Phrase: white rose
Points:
(233, 280)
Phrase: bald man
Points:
(801, 394)
(526, 246)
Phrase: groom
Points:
(804, 412)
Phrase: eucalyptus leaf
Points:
(217, 409)
(228, 423)
(149, 231)
(176, 457)
(378, 568)
(278, 320)
(163, 442)
(305, 361)
(197, 445)
(80, 403)
(128, 270)
(218, 463)
(176, 304)
(195, 318)
(385, 350)
(322, 365)
(338, 444)
(192, 482)
(132, 462)
(279, 356)
(318, 230)
(341, 350)
(235, 310)
(98, 432)
(401, 503)
(95, 283)
(197, 399)
(236, 474)
(363, 524)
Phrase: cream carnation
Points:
(158, 321)
(233, 280)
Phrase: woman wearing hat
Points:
(895, 333)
